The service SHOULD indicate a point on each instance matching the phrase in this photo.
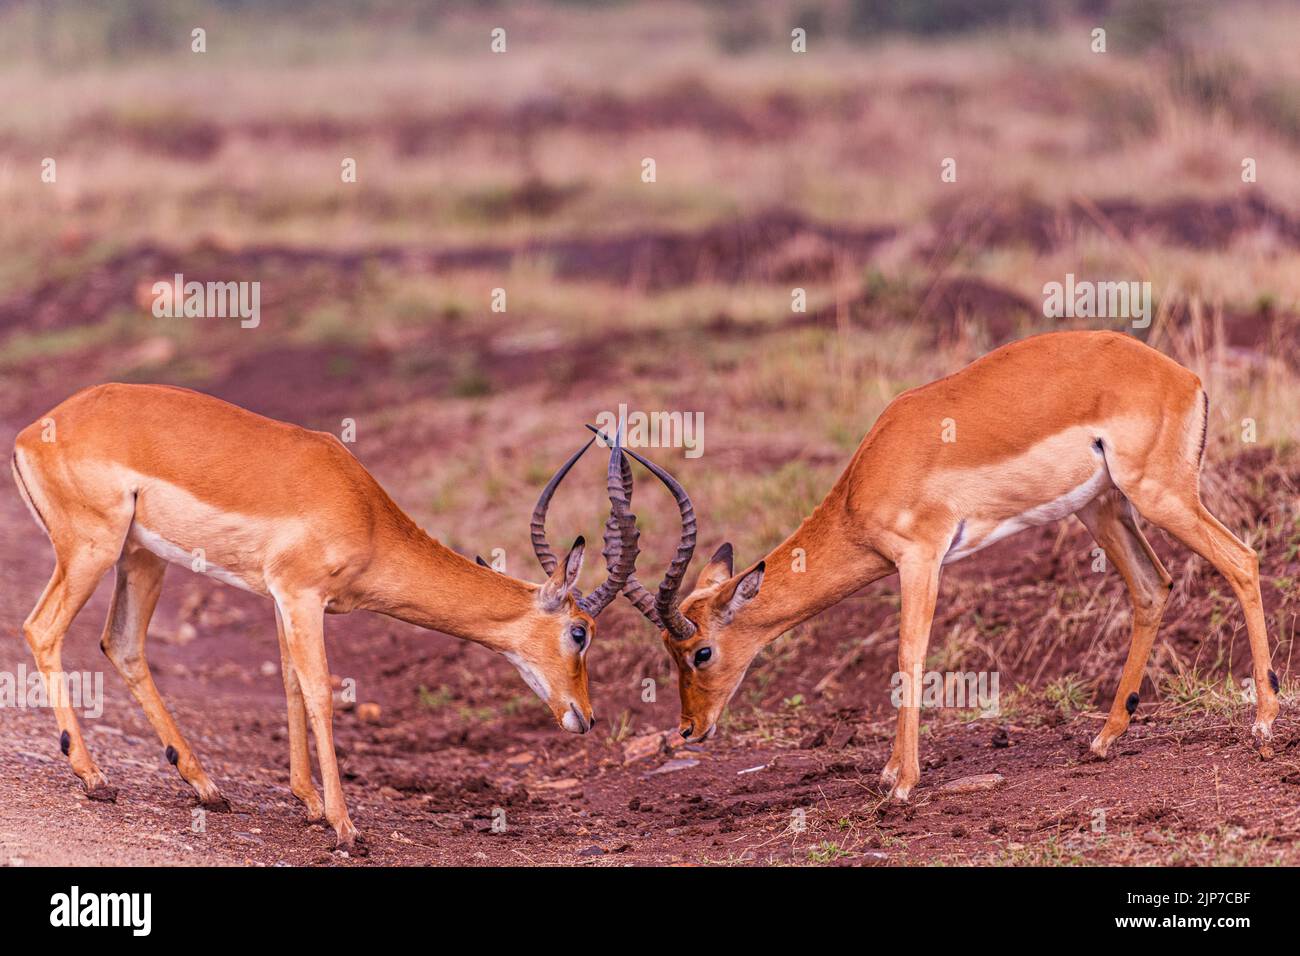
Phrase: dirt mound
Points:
(1188, 222)
(686, 104)
(756, 249)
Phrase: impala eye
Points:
(579, 634)
(702, 656)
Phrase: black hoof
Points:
(102, 794)
(219, 805)
(357, 847)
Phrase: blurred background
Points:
(774, 171)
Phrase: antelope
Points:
(1089, 423)
(139, 476)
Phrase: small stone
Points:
(647, 745)
(681, 763)
(269, 669)
(591, 851)
(564, 783)
(369, 712)
(974, 784)
(519, 759)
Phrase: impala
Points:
(1094, 424)
(141, 475)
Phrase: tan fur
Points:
(1027, 417)
(278, 510)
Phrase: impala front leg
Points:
(300, 782)
(304, 635)
(919, 587)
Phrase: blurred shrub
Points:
(70, 31)
(64, 30)
(1278, 108)
(933, 17)
(741, 29)
(1134, 26)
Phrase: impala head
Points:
(711, 648)
(551, 649)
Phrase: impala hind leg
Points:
(300, 782)
(139, 582)
(75, 577)
(1188, 520)
(919, 589)
(1109, 517)
(304, 635)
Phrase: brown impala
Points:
(1094, 424)
(141, 475)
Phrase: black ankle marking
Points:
(1131, 704)
(172, 755)
(65, 742)
(1273, 682)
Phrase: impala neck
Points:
(819, 565)
(418, 580)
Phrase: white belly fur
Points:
(1059, 452)
(1054, 510)
(178, 555)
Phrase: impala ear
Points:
(564, 578)
(744, 591)
(717, 570)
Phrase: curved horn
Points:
(621, 535)
(665, 605)
(538, 525)
(635, 591)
